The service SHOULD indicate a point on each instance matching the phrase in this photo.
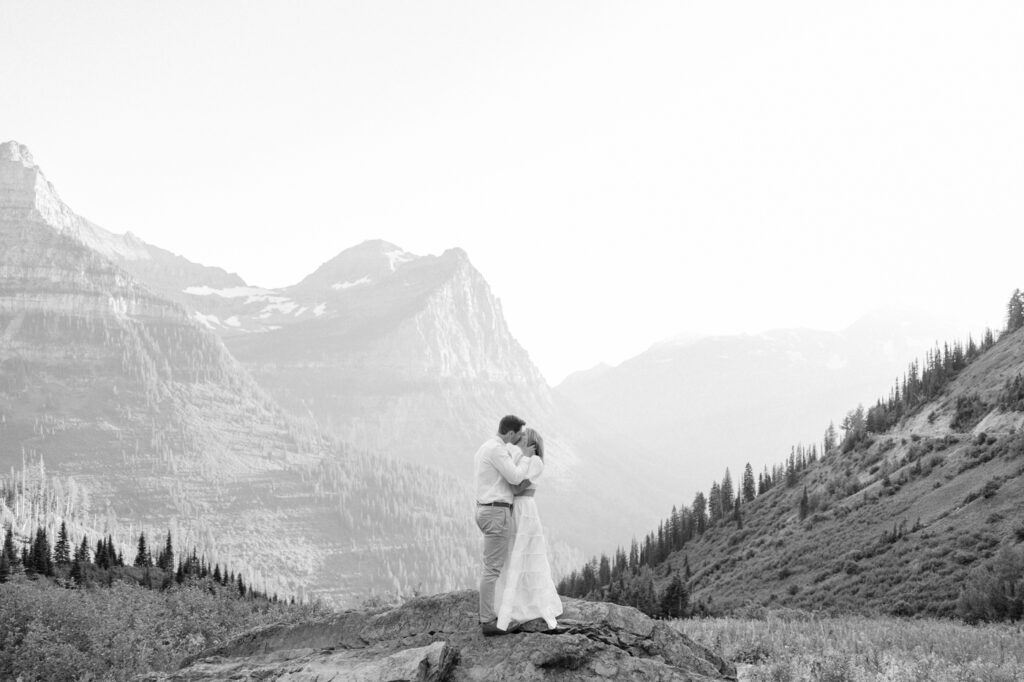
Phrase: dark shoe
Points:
(491, 629)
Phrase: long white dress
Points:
(525, 589)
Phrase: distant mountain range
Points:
(698, 404)
(915, 512)
(322, 433)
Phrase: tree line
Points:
(77, 565)
(628, 576)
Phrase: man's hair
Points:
(510, 422)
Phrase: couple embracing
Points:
(516, 584)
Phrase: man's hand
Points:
(530, 450)
(518, 489)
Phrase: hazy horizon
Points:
(618, 173)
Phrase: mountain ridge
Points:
(127, 391)
(914, 511)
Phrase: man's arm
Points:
(518, 489)
(501, 459)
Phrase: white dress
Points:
(525, 589)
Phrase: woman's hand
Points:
(529, 450)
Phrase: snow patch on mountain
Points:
(284, 306)
(251, 294)
(348, 285)
(320, 309)
(210, 321)
(397, 257)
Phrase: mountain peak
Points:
(361, 264)
(16, 152)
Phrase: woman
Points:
(525, 589)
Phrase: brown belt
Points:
(495, 504)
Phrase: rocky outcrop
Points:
(437, 638)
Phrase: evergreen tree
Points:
(700, 512)
(8, 550)
(715, 502)
(675, 599)
(142, 558)
(77, 574)
(5, 567)
(62, 551)
(42, 557)
(728, 494)
(100, 556)
(166, 561)
(82, 552)
(1015, 311)
(604, 573)
(737, 514)
(749, 490)
(804, 505)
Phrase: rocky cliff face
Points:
(125, 390)
(437, 638)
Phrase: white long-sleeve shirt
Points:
(496, 472)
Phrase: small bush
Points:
(991, 488)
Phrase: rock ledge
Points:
(437, 639)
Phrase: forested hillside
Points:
(911, 507)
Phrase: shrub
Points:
(991, 488)
(51, 633)
(970, 410)
(995, 591)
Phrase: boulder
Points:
(437, 639)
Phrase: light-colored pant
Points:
(496, 525)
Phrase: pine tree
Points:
(728, 494)
(77, 574)
(715, 502)
(804, 505)
(700, 512)
(166, 561)
(1015, 311)
(749, 489)
(42, 557)
(142, 558)
(62, 551)
(8, 550)
(604, 573)
(82, 552)
(100, 556)
(5, 567)
(675, 599)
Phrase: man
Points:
(495, 475)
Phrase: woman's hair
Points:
(531, 437)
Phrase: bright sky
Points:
(619, 172)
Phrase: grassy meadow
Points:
(792, 646)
